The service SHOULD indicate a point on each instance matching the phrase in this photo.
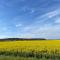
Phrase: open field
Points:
(30, 45)
(30, 50)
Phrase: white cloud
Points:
(49, 14)
(40, 28)
(18, 25)
(53, 13)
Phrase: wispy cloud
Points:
(18, 25)
(53, 13)
(41, 28)
(30, 18)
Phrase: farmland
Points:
(30, 50)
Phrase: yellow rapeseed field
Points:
(30, 45)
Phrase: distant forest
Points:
(22, 39)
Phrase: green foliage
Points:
(44, 54)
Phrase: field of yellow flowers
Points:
(30, 45)
(40, 49)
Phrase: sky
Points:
(30, 19)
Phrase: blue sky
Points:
(30, 19)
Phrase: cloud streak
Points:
(43, 29)
(30, 18)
